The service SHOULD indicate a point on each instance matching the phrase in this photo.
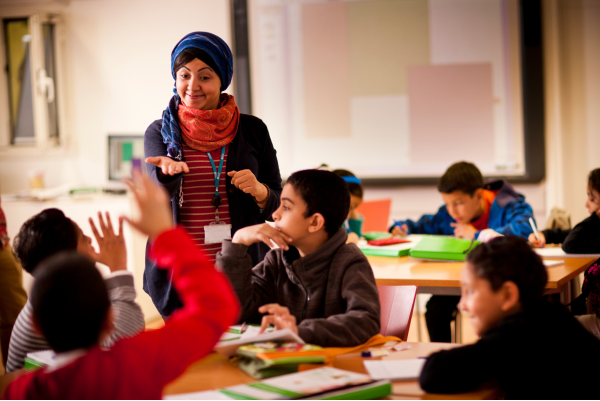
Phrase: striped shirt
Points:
(127, 318)
(198, 191)
(3, 232)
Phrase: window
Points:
(31, 115)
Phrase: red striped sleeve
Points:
(198, 190)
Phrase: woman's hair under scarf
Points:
(196, 43)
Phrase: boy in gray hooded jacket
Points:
(314, 283)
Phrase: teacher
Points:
(218, 165)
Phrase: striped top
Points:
(127, 318)
(3, 232)
(198, 191)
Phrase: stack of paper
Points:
(228, 345)
(398, 369)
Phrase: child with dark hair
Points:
(68, 287)
(585, 236)
(531, 348)
(473, 209)
(353, 223)
(314, 284)
(50, 232)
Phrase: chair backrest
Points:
(376, 214)
(397, 303)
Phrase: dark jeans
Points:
(441, 310)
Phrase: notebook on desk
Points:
(320, 383)
(438, 247)
(557, 252)
(394, 250)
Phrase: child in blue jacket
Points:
(470, 206)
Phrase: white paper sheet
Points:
(399, 369)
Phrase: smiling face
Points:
(484, 306)
(593, 201)
(198, 86)
(462, 207)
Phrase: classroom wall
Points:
(572, 33)
(572, 85)
(119, 80)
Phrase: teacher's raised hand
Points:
(167, 165)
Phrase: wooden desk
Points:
(443, 278)
(216, 371)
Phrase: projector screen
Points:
(390, 88)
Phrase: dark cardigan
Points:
(250, 149)
(540, 353)
(583, 238)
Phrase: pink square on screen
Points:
(451, 113)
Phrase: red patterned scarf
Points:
(207, 130)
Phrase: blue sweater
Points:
(509, 215)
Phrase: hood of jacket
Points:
(506, 193)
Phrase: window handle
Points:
(46, 86)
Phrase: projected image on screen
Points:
(389, 88)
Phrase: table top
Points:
(216, 371)
(409, 271)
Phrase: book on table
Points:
(268, 359)
(231, 341)
(438, 247)
(320, 383)
(392, 250)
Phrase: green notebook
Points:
(325, 383)
(443, 248)
(371, 235)
(385, 251)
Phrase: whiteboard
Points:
(389, 88)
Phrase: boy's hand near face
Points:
(261, 233)
(153, 203)
(464, 230)
(278, 316)
(112, 250)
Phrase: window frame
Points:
(44, 144)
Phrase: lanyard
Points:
(216, 201)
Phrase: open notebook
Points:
(556, 252)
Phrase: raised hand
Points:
(278, 316)
(112, 250)
(167, 165)
(154, 206)
(246, 181)
(261, 232)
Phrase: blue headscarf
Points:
(220, 54)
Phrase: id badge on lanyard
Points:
(217, 231)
